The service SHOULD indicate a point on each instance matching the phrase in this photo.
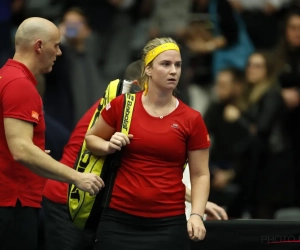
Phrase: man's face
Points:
(50, 51)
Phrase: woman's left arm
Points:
(199, 174)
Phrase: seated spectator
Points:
(225, 135)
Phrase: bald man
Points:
(24, 165)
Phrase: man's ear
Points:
(38, 45)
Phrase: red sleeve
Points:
(112, 113)
(73, 146)
(199, 137)
(21, 100)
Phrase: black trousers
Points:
(60, 233)
(18, 227)
(118, 231)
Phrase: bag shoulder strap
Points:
(112, 91)
(110, 171)
(129, 101)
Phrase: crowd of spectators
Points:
(241, 70)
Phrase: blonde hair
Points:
(150, 46)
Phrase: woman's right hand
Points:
(117, 141)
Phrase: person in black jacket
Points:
(288, 55)
(226, 136)
(267, 181)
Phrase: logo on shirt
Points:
(108, 106)
(174, 125)
(35, 115)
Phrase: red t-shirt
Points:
(20, 100)
(57, 191)
(149, 181)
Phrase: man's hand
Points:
(88, 182)
(216, 212)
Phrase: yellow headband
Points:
(159, 49)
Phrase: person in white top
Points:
(212, 210)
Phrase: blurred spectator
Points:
(267, 182)
(143, 13)
(295, 3)
(56, 135)
(170, 19)
(226, 136)
(199, 31)
(6, 44)
(287, 57)
(199, 70)
(261, 19)
(18, 14)
(49, 9)
(75, 82)
(230, 44)
(114, 22)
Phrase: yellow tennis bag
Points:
(85, 210)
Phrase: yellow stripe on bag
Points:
(127, 114)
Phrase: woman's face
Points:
(224, 86)
(256, 70)
(166, 70)
(293, 31)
